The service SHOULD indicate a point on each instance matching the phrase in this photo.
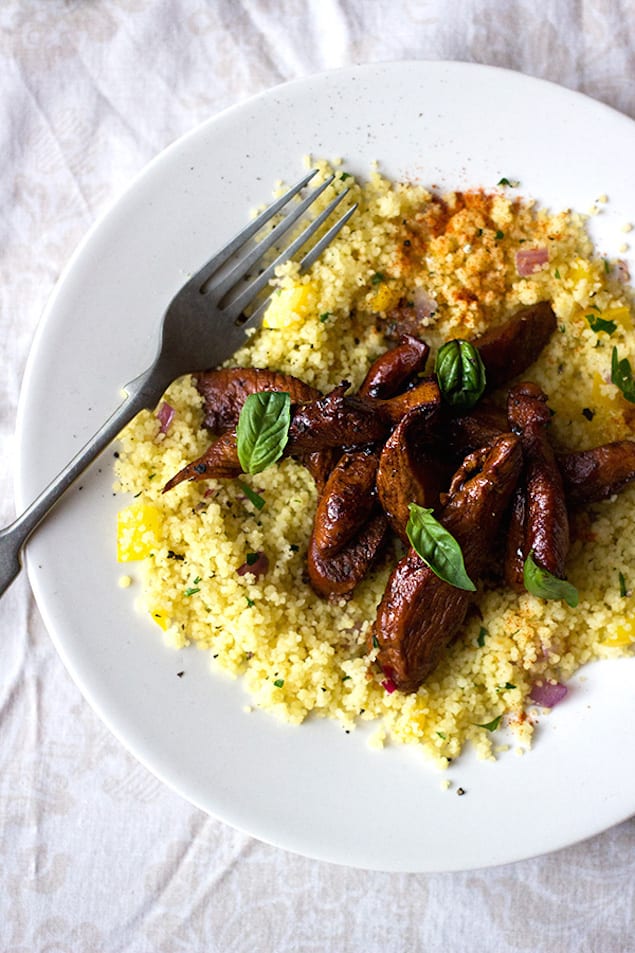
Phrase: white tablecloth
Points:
(95, 854)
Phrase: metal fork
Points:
(203, 325)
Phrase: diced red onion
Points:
(530, 260)
(425, 306)
(548, 694)
(165, 415)
(389, 685)
(622, 271)
(257, 567)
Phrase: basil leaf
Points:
(438, 548)
(540, 582)
(263, 430)
(622, 376)
(461, 374)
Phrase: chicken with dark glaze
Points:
(411, 470)
(224, 391)
(593, 475)
(393, 370)
(420, 614)
(539, 522)
(509, 349)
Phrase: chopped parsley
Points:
(499, 235)
(192, 590)
(279, 682)
(600, 324)
(480, 638)
(251, 495)
(250, 602)
(324, 317)
(510, 183)
(491, 725)
(377, 278)
(507, 687)
(623, 589)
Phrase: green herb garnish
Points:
(491, 725)
(377, 278)
(250, 602)
(442, 735)
(263, 430)
(622, 376)
(324, 317)
(461, 374)
(540, 582)
(499, 234)
(192, 590)
(511, 183)
(600, 324)
(623, 589)
(279, 682)
(480, 639)
(507, 687)
(251, 495)
(438, 548)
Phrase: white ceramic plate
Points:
(312, 789)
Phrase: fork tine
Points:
(237, 306)
(245, 264)
(326, 239)
(312, 256)
(206, 272)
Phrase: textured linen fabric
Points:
(95, 854)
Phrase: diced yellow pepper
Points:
(622, 635)
(138, 529)
(160, 618)
(289, 306)
(581, 270)
(620, 315)
(387, 296)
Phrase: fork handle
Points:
(143, 393)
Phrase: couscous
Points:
(464, 263)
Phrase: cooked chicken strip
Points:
(539, 523)
(347, 501)
(219, 461)
(335, 577)
(508, 350)
(593, 475)
(410, 469)
(224, 391)
(393, 370)
(419, 613)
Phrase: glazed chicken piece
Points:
(419, 613)
(348, 499)
(508, 350)
(467, 432)
(393, 370)
(220, 461)
(410, 469)
(593, 475)
(335, 420)
(539, 522)
(224, 392)
(335, 577)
